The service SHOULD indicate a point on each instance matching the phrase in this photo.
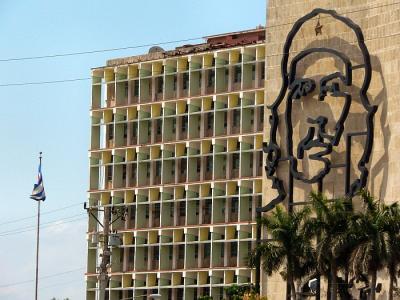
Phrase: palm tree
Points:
(392, 227)
(289, 247)
(370, 231)
(330, 226)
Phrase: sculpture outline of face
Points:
(293, 89)
(317, 136)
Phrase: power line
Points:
(60, 284)
(34, 226)
(139, 46)
(88, 78)
(50, 225)
(44, 82)
(341, 13)
(45, 213)
(96, 51)
(43, 277)
(163, 43)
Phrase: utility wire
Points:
(50, 225)
(46, 223)
(61, 284)
(81, 79)
(42, 277)
(167, 42)
(96, 51)
(44, 82)
(44, 213)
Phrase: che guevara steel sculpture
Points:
(317, 137)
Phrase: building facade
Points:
(176, 156)
(373, 88)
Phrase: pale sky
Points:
(54, 118)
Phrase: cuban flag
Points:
(38, 188)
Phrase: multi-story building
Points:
(176, 143)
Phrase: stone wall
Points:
(380, 23)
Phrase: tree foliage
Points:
(330, 238)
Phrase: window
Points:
(226, 75)
(125, 130)
(237, 74)
(136, 88)
(133, 173)
(109, 173)
(207, 250)
(207, 207)
(209, 164)
(184, 123)
(183, 166)
(134, 130)
(174, 125)
(156, 253)
(160, 84)
(123, 172)
(262, 70)
(198, 165)
(158, 168)
(185, 80)
(225, 123)
(196, 251)
(233, 249)
(222, 249)
(157, 210)
(210, 120)
(261, 112)
(211, 78)
(133, 213)
(234, 205)
(126, 89)
(131, 256)
(253, 72)
(182, 209)
(147, 211)
(181, 252)
(170, 253)
(174, 84)
(159, 126)
(236, 117)
(173, 169)
(235, 159)
(110, 131)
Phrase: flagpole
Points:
(37, 251)
(37, 240)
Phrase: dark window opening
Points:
(160, 85)
(233, 249)
(237, 74)
(185, 81)
(136, 88)
(235, 159)
(211, 78)
(236, 117)
(159, 126)
(184, 123)
(182, 209)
